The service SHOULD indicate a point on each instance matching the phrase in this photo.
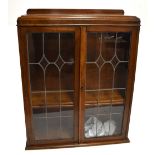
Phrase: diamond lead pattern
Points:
(115, 61)
(100, 61)
(59, 62)
(44, 62)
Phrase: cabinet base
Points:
(51, 146)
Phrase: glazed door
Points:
(105, 83)
(53, 67)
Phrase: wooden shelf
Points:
(52, 99)
(67, 98)
(105, 97)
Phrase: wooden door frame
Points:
(80, 58)
(22, 32)
(130, 82)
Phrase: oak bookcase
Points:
(78, 70)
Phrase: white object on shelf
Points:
(95, 128)
(109, 127)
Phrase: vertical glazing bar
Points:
(44, 71)
(60, 126)
(113, 82)
(99, 79)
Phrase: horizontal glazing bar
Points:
(105, 89)
(94, 62)
(53, 91)
(39, 117)
(100, 103)
(65, 104)
(38, 63)
(88, 115)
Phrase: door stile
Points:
(25, 83)
(76, 83)
(82, 83)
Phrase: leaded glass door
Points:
(107, 59)
(52, 72)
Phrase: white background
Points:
(142, 125)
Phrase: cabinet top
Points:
(50, 17)
(75, 11)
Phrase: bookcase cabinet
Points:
(78, 70)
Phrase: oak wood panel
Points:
(75, 11)
(82, 83)
(51, 20)
(77, 82)
(25, 83)
(131, 79)
(66, 145)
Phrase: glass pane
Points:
(106, 121)
(117, 119)
(52, 78)
(67, 111)
(90, 111)
(67, 77)
(51, 46)
(123, 46)
(93, 39)
(121, 75)
(67, 127)
(67, 47)
(39, 128)
(108, 45)
(36, 77)
(92, 71)
(38, 104)
(104, 109)
(51, 66)
(35, 46)
(54, 130)
(106, 78)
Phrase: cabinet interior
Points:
(51, 63)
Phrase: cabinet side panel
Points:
(131, 79)
(25, 82)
